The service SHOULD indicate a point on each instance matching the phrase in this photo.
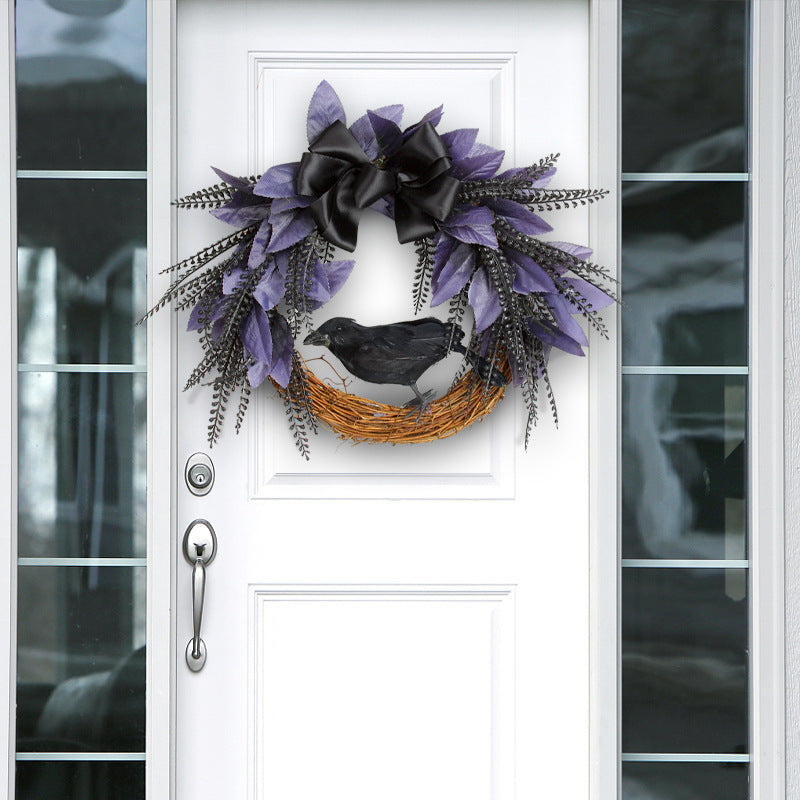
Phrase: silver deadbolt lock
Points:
(199, 474)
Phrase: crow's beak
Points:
(315, 337)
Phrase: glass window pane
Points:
(80, 780)
(683, 466)
(684, 781)
(82, 270)
(81, 659)
(81, 91)
(683, 274)
(684, 97)
(684, 661)
(82, 465)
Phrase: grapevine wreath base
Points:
(362, 420)
(511, 295)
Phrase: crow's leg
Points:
(421, 400)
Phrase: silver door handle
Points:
(199, 549)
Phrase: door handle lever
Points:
(199, 549)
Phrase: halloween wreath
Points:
(478, 242)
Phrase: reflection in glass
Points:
(82, 464)
(683, 466)
(684, 781)
(684, 662)
(81, 662)
(683, 85)
(81, 92)
(80, 780)
(684, 277)
(82, 270)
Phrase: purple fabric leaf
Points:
(242, 209)
(482, 162)
(552, 336)
(519, 217)
(365, 135)
(259, 250)
(232, 180)
(444, 249)
(387, 133)
(257, 373)
(230, 280)
(562, 311)
(216, 313)
(323, 110)
(319, 288)
(473, 226)
(484, 300)
(530, 276)
(269, 291)
(289, 228)
(577, 250)
(453, 275)
(217, 327)
(256, 335)
(460, 142)
(338, 273)
(434, 116)
(282, 204)
(595, 296)
(279, 181)
(282, 348)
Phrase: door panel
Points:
(385, 621)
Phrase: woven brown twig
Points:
(362, 420)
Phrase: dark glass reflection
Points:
(684, 781)
(684, 661)
(82, 270)
(683, 466)
(82, 464)
(683, 85)
(80, 780)
(81, 659)
(684, 274)
(81, 91)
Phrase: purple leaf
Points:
(256, 335)
(282, 204)
(232, 180)
(453, 275)
(562, 311)
(319, 288)
(595, 296)
(323, 110)
(473, 226)
(216, 312)
(230, 280)
(282, 348)
(269, 291)
(519, 217)
(259, 250)
(387, 133)
(444, 249)
(242, 209)
(552, 336)
(484, 300)
(530, 276)
(365, 135)
(289, 228)
(460, 142)
(338, 273)
(279, 181)
(577, 250)
(257, 374)
(482, 162)
(434, 116)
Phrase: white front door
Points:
(385, 622)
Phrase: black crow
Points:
(397, 353)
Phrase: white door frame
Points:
(767, 404)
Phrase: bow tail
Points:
(336, 214)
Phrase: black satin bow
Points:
(338, 173)
(423, 193)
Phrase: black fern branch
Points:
(556, 199)
(521, 183)
(209, 253)
(211, 197)
(299, 408)
(422, 273)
